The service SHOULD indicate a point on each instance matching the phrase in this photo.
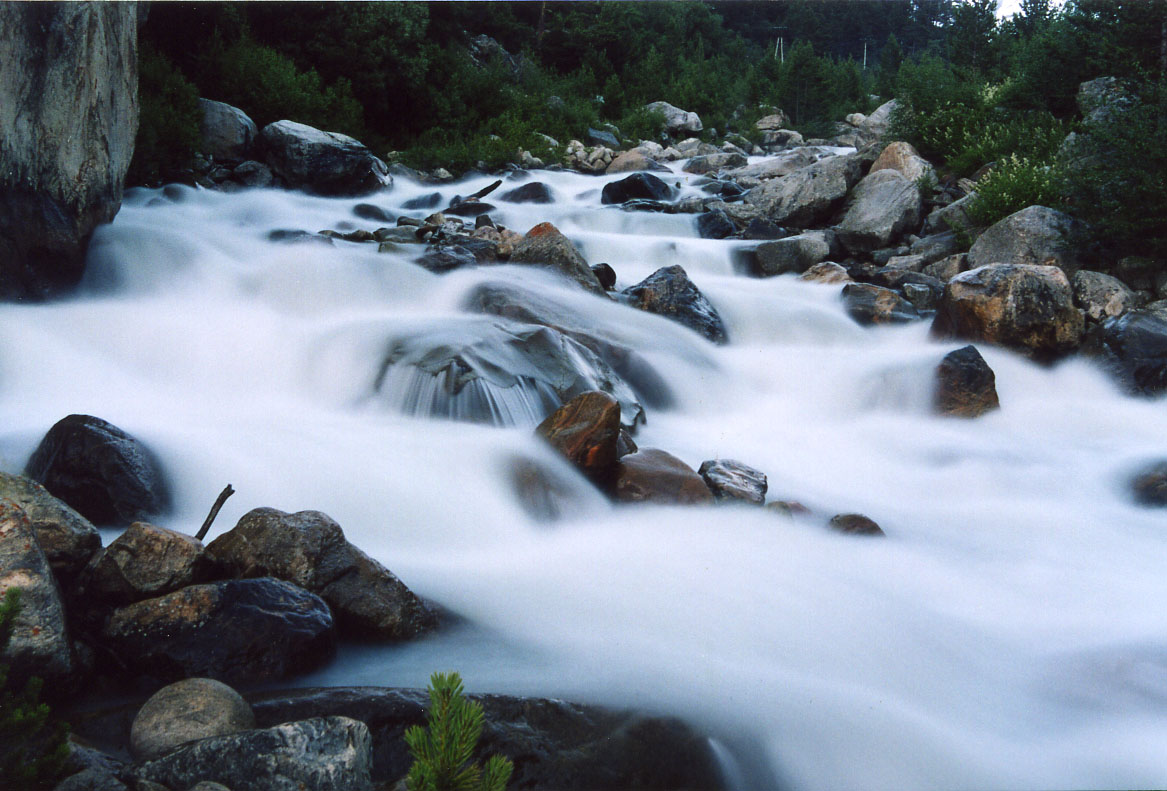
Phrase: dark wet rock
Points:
(794, 254)
(855, 524)
(545, 245)
(429, 201)
(227, 133)
(321, 754)
(484, 221)
(647, 204)
(1150, 485)
(371, 211)
(654, 476)
(669, 292)
(531, 192)
(185, 711)
(554, 745)
(39, 643)
(883, 207)
(869, 304)
(910, 263)
(327, 163)
(936, 247)
(309, 549)
(105, 474)
(1134, 348)
(898, 279)
(1021, 306)
(923, 298)
(808, 195)
(447, 258)
(732, 481)
(598, 137)
(69, 114)
(715, 225)
(67, 538)
(470, 209)
(585, 430)
(295, 236)
(638, 185)
(252, 174)
(544, 492)
(1035, 235)
(145, 561)
(788, 508)
(606, 275)
(477, 369)
(965, 385)
(93, 779)
(763, 230)
(1101, 296)
(237, 631)
(625, 444)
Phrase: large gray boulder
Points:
(807, 195)
(884, 206)
(676, 119)
(321, 754)
(794, 254)
(186, 711)
(326, 163)
(1035, 235)
(69, 111)
(40, 642)
(1100, 295)
(903, 158)
(309, 549)
(67, 538)
(228, 134)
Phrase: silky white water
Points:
(1010, 631)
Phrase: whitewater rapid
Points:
(1010, 631)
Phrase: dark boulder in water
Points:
(1150, 485)
(102, 472)
(532, 192)
(869, 304)
(546, 246)
(638, 185)
(1134, 347)
(606, 275)
(855, 525)
(430, 201)
(965, 385)
(715, 225)
(669, 292)
(654, 476)
(326, 163)
(732, 481)
(370, 211)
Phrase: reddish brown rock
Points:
(965, 385)
(586, 430)
(855, 524)
(544, 245)
(652, 475)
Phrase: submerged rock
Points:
(654, 476)
(669, 292)
(869, 304)
(185, 711)
(105, 474)
(531, 192)
(638, 185)
(731, 480)
(586, 431)
(1150, 485)
(855, 524)
(965, 384)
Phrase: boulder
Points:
(774, 167)
(1035, 235)
(237, 631)
(309, 549)
(606, 275)
(187, 711)
(965, 385)
(1101, 296)
(227, 133)
(875, 125)
(712, 163)
(544, 491)
(947, 268)
(715, 225)
(67, 538)
(638, 185)
(633, 160)
(554, 745)
(936, 246)
(732, 481)
(808, 195)
(105, 474)
(654, 476)
(782, 138)
(676, 120)
(855, 524)
(827, 272)
(321, 754)
(1149, 485)
(326, 163)
(67, 140)
(869, 304)
(599, 137)
(775, 120)
(669, 292)
(1024, 307)
(586, 430)
(546, 246)
(531, 192)
(1134, 348)
(143, 562)
(905, 160)
(883, 207)
(793, 254)
(953, 217)
(253, 174)
(907, 263)
(39, 643)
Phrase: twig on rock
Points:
(222, 498)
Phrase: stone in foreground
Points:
(1150, 485)
(143, 562)
(868, 305)
(965, 385)
(185, 711)
(586, 430)
(1035, 235)
(67, 538)
(670, 293)
(654, 476)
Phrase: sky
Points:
(1008, 8)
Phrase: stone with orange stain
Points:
(544, 245)
(586, 430)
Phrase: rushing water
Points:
(1010, 632)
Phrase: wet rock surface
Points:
(965, 384)
(585, 430)
(669, 292)
(639, 185)
(869, 304)
(1149, 485)
(1134, 348)
(656, 476)
(326, 163)
(545, 245)
(856, 525)
(732, 481)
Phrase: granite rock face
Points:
(67, 142)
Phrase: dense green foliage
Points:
(32, 749)
(443, 750)
(168, 123)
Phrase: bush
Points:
(1014, 184)
(168, 124)
(32, 750)
(443, 750)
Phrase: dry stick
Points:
(222, 498)
(482, 193)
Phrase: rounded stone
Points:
(196, 708)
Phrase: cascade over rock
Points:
(67, 142)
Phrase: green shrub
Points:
(168, 123)
(32, 749)
(442, 751)
(1014, 184)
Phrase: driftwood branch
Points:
(482, 193)
(222, 498)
